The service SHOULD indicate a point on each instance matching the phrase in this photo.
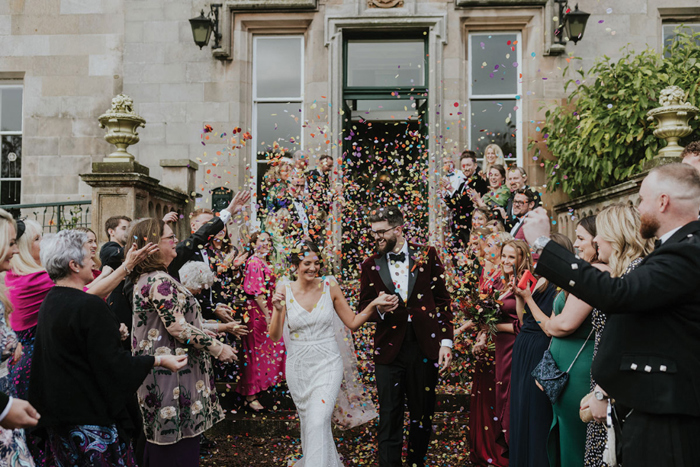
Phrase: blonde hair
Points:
(522, 252)
(87, 230)
(485, 166)
(6, 221)
(619, 224)
(24, 263)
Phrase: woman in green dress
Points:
(572, 342)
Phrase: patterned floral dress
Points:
(13, 446)
(167, 320)
(597, 433)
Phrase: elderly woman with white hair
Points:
(81, 377)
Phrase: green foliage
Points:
(601, 136)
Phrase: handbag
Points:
(550, 377)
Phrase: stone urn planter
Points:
(121, 123)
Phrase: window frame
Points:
(674, 23)
(273, 100)
(519, 153)
(20, 133)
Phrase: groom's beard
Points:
(388, 246)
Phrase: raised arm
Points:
(279, 311)
(525, 297)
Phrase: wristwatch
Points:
(600, 395)
(540, 243)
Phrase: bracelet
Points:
(127, 269)
(157, 362)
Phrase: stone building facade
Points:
(297, 73)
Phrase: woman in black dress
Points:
(530, 409)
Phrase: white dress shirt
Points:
(399, 276)
(668, 234)
(303, 218)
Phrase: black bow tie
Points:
(397, 258)
(657, 244)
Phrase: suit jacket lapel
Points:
(383, 269)
(411, 273)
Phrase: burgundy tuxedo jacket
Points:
(428, 304)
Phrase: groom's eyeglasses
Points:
(380, 233)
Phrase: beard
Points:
(649, 226)
(389, 246)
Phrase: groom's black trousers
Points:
(409, 380)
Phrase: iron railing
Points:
(54, 216)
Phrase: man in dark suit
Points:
(516, 179)
(460, 202)
(205, 225)
(413, 336)
(649, 355)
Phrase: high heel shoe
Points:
(254, 405)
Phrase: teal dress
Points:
(566, 444)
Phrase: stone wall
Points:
(75, 55)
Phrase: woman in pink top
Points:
(264, 360)
(27, 285)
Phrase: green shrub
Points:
(601, 136)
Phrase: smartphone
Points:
(527, 280)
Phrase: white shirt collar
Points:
(404, 249)
(668, 234)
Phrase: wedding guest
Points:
(318, 181)
(493, 155)
(691, 154)
(27, 284)
(263, 364)
(460, 202)
(480, 217)
(514, 260)
(277, 181)
(497, 197)
(649, 364)
(177, 407)
(524, 201)
(530, 409)
(454, 176)
(517, 179)
(92, 244)
(572, 349)
(496, 226)
(486, 436)
(13, 445)
(622, 248)
(112, 252)
(81, 377)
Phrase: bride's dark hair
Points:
(301, 249)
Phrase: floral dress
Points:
(13, 446)
(167, 320)
(597, 433)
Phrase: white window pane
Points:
(278, 123)
(11, 106)
(493, 122)
(494, 64)
(278, 64)
(388, 63)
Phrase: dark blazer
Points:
(461, 204)
(112, 255)
(190, 249)
(428, 303)
(649, 354)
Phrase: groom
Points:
(413, 337)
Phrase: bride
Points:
(317, 371)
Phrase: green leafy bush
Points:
(601, 136)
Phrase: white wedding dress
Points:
(315, 375)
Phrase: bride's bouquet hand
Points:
(278, 300)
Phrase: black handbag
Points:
(550, 377)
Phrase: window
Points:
(671, 30)
(495, 87)
(10, 143)
(278, 95)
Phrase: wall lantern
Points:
(572, 23)
(202, 27)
